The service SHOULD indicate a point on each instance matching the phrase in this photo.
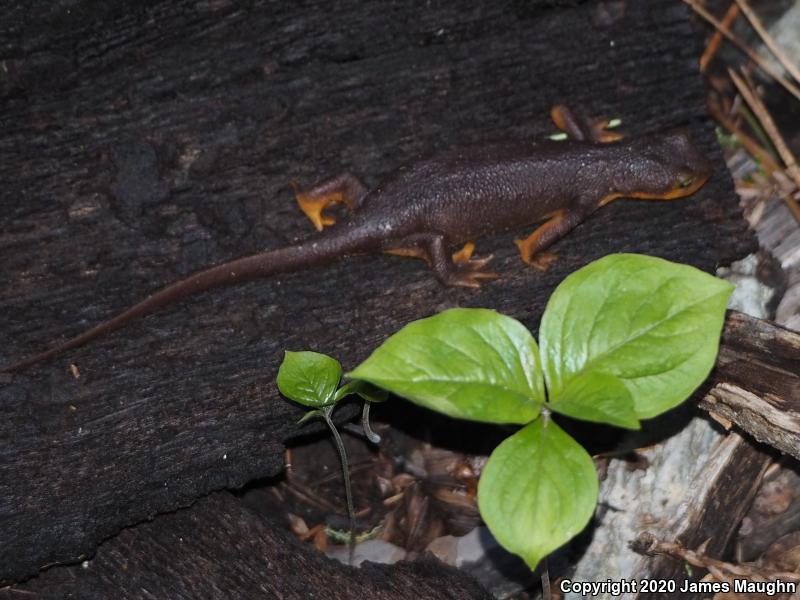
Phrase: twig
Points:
(14, 590)
(755, 150)
(791, 88)
(762, 114)
(354, 468)
(304, 494)
(752, 120)
(647, 543)
(769, 41)
(714, 42)
(768, 124)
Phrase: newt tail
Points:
(316, 252)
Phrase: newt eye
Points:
(685, 178)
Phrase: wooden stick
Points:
(790, 87)
(757, 152)
(647, 543)
(714, 42)
(769, 41)
(765, 118)
(792, 205)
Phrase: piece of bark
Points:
(141, 145)
(220, 549)
(756, 383)
(697, 487)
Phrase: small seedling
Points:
(625, 338)
(312, 379)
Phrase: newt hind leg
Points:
(581, 129)
(344, 189)
(458, 269)
(531, 249)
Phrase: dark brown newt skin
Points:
(455, 197)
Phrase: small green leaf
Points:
(366, 391)
(597, 397)
(309, 378)
(653, 324)
(312, 414)
(467, 363)
(537, 491)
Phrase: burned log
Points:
(220, 549)
(142, 144)
(757, 382)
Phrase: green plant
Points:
(312, 379)
(623, 339)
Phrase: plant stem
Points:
(546, 594)
(371, 435)
(351, 512)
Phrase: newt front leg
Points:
(345, 189)
(557, 226)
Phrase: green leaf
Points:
(597, 397)
(312, 414)
(537, 491)
(366, 391)
(468, 363)
(653, 324)
(309, 378)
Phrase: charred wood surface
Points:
(220, 549)
(141, 143)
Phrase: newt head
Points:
(663, 166)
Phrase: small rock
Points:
(377, 551)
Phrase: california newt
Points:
(455, 197)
